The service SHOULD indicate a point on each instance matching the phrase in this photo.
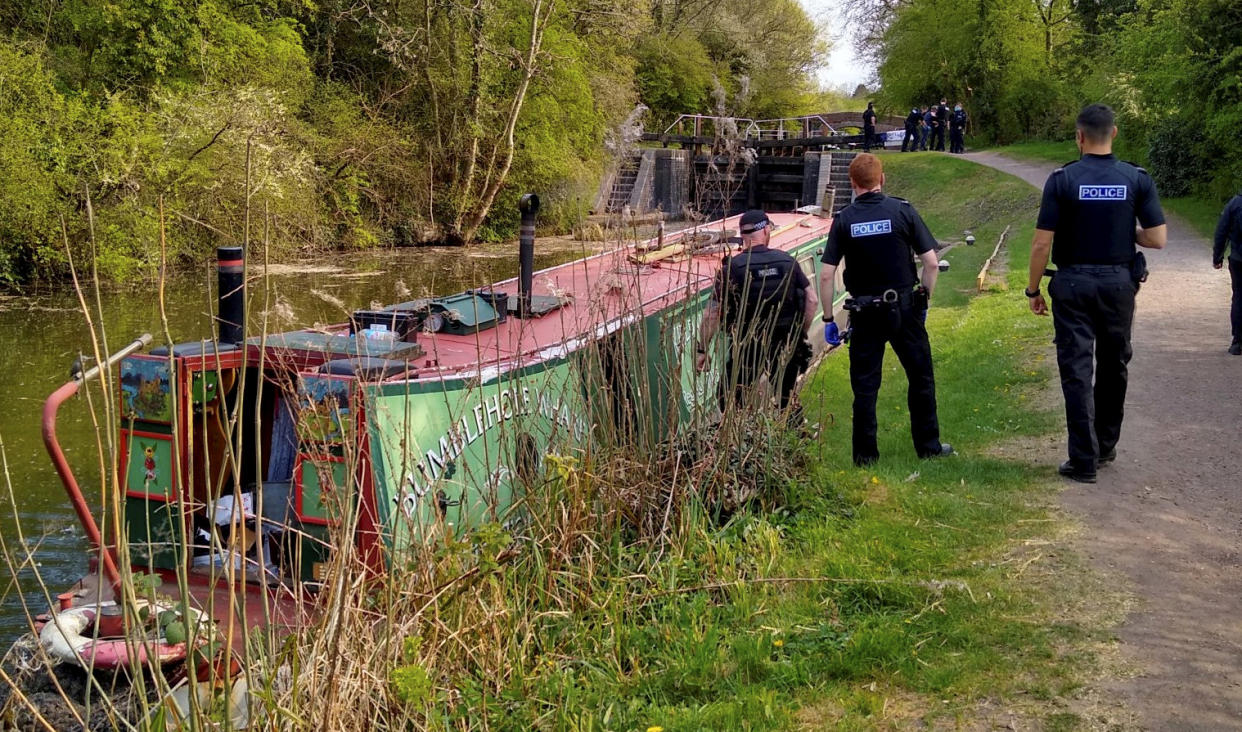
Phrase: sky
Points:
(843, 69)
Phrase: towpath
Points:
(1168, 514)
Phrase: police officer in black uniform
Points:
(765, 303)
(957, 130)
(913, 120)
(878, 237)
(868, 125)
(938, 127)
(1087, 222)
(1229, 233)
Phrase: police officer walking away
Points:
(878, 236)
(1229, 232)
(1087, 222)
(868, 126)
(957, 130)
(765, 304)
(913, 120)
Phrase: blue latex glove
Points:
(832, 334)
(924, 316)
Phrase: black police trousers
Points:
(957, 142)
(902, 326)
(937, 138)
(1235, 312)
(780, 361)
(911, 139)
(868, 137)
(1092, 313)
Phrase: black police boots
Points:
(945, 450)
(1235, 349)
(1074, 472)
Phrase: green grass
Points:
(898, 595)
(1200, 213)
(1042, 150)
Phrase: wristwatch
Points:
(827, 318)
(1028, 293)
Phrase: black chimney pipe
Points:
(529, 206)
(231, 312)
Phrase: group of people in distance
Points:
(1094, 214)
(925, 128)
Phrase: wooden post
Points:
(983, 273)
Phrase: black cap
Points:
(753, 221)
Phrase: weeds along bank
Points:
(639, 596)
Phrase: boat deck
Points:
(597, 295)
(276, 607)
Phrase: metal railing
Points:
(783, 128)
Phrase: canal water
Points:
(44, 332)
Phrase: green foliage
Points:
(333, 125)
(1175, 156)
(412, 684)
(1171, 68)
(674, 76)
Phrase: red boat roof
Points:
(599, 294)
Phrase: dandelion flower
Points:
(654, 728)
(778, 642)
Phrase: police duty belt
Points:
(888, 299)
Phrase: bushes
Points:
(1175, 156)
(1035, 107)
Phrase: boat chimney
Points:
(231, 311)
(529, 206)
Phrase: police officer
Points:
(1229, 232)
(957, 130)
(1087, 222)
(929, 119)
(765, 304)
(878, 237)
(913, 120)
(868, 125)
(938, 127)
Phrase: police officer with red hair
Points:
(878, 237)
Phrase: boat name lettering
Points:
(477, 420)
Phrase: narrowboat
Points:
(243, 461)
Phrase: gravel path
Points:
(1168, 515)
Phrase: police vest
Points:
(878, 236)
(1094, 203)
(761, 291)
